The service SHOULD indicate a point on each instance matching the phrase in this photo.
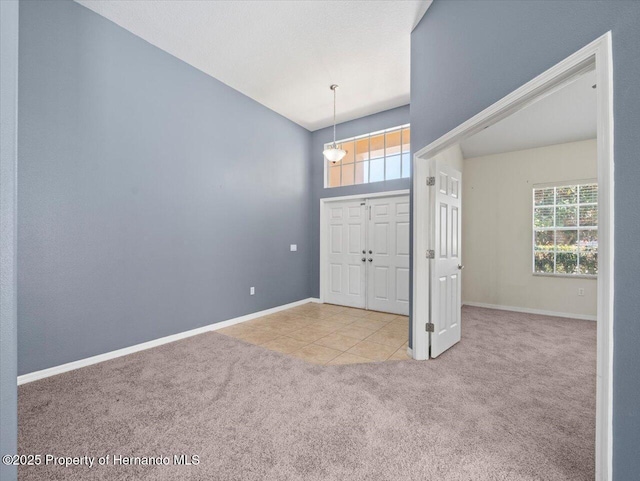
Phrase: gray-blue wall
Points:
(371, 123)
(466, 55)
(151, 196)
(8, 161)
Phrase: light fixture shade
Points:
(334, 154)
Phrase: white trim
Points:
(606, 215)
(597, 53)
(420, 227)
(527, 310)
(323, 233)
(565, 183)
(70, 366)
(524, 96)
(589, 277)
(410, 352)
(372, 195)
(362, 136)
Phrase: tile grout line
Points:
(321, 315)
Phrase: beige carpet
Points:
(515, 400)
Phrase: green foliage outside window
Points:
(565, 222)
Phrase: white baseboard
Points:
(410, 352)
(315, 299)
(70, 366)
(526, 310)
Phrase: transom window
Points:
(373, 157)
(565, 230)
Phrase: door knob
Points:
(370, 252)
(363, 259)
(460, 267)
(370, 259)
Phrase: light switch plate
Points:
(294, 247)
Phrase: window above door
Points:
(373, 157)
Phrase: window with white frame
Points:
(565, 230)
(373, 157)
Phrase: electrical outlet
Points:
(580, 291)
(252, 291)
(293, 247)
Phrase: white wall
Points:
(453, 156)
(497, 228)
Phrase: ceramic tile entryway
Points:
(328, 334)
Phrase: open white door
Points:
(388, 255)
(445, 263)
(346, 236)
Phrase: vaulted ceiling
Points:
(286, 54)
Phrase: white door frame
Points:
(598, 54)
(323, 228)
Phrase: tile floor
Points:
(328, 334)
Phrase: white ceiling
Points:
(567, 115)
(285, 54)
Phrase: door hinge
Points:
(431, 254)
(431, 181)
(429, 327)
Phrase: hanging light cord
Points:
(334, 87)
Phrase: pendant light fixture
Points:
(333, 154)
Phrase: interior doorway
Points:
(365, 252)
(426, 289)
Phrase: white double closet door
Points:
(367, 254)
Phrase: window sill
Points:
(567, 276)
